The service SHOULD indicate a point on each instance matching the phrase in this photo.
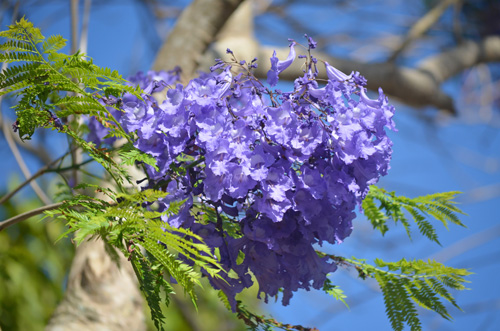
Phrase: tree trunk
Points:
(100, 294)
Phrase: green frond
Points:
(375, 215)
(182, 273)
(87, 226)
(15, 84)
(406, 283)
(20, 56)
(130, 155)
(23, 30)
(426, 297)
(122, 213)
(45, 72)
(149, 285)
(30, 72)
(53, 44)
(15, 70)
(108, 74)
(440, 206)
(72, 99)
(28, 120)
(425, 228)
(148, 195)
(392, 309)
(334, 291)
(17, 46)
(57, 59)
(408, 311)
(198, 253)
(439, 288)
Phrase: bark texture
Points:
(100, 295)
(194, 31)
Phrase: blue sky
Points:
(450, 155)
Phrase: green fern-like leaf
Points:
(334, 291)
(440, 206)
(17, 46)
(184, 274)
(375, 215)
(43, 71)
(426, 297)
(408, 284)
(150, 285)
(53, 44)
(130, 155)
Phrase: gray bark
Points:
(194, 31)
(100, 295)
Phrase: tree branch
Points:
(39, 151)
(417, 87)
(28, 214)
(40, 172)
(467, 55)
(413, 87)
(195, 29)
(422, 26)
(74, 25)
(20, 161)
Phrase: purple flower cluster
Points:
(279, 171)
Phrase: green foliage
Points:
(408, 284)
(123, 222)
(32, 269)
(130, 155)
(334, 291)
(440, 206)
(51, 86)
(150, 281)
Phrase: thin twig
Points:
(422, 26)
(12, 145)
(74, 25)
(38, 150)
(76, 156)
(40, 172)
(22, 165)
(84, 34)
(28, 214)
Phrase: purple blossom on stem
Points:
(286, 168)
(311, 42)
(278, 66)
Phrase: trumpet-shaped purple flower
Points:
(278, 66)
(287, 169)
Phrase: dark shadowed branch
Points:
(194, 31)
